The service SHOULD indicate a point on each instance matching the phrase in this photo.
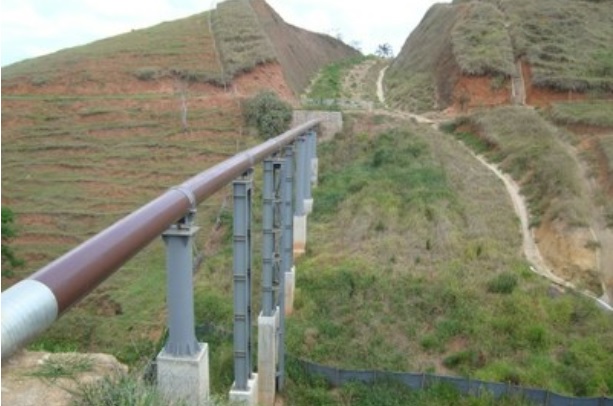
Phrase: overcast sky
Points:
(32, 28)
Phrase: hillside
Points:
(475, 53)
(555, 56)
(415, 261)
(91, 133)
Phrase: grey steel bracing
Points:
(180, 295)
(72, 276)
(268, 212)
(287, 253)
(301, 175)
(242, 281)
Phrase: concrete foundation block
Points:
(290, 288)
(300, 234)
(184, 378)
(267, 358)
(246, 397)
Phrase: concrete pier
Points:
(247, 397)
(184, 378)
(267, 358)
(300, 234)
(290, 288)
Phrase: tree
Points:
(384, 51)
(9, 260)
(270, 115)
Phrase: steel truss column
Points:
(287, 252)
(279, 165)
(179, 270)
(242, 280)
(271, 229)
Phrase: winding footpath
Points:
(530, 248)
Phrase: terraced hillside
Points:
(93, 132)
(468, 53)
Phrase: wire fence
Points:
(338, 377)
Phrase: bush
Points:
(504, 283)
(267, 113)
(9, 260)
(147, 73)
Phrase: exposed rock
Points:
(41, 378)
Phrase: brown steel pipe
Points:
(74, 275)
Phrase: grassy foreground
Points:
(414, 265)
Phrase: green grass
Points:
(596, 112)
(186, 43)
(329, 83)
(412, 81)
(74, 164)
(532, 150)
(63, 366)
(413, 265)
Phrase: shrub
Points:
(268, 114)
(9, 260)
(147, 73)
(504, 283)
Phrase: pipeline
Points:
(32, 305)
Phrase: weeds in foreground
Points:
(63, 366)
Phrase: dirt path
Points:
(380, 91)
(529, 246)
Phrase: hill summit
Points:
(213, 47)
(485, 53)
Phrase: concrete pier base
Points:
(267, 358)
(290, 288)
(184, 378)
(300, 234)
(308, 206)
(247, 397)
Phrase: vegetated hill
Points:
(91, 133)
(557, 56)
(414, 264)
(472, 53)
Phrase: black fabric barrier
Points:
(338, 377)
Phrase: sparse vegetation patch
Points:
(241, 41)
(531, 150)
(568, 43)
(481, 42)
(594, 112)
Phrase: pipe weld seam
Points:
(187, 193)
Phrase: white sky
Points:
(32, 28)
